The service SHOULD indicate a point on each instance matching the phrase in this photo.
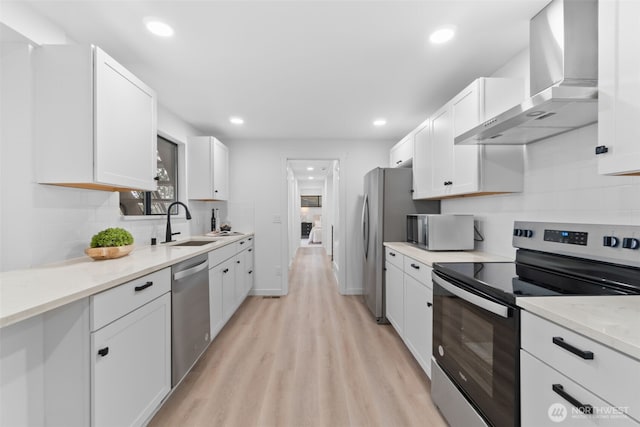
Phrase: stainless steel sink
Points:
(194, 243)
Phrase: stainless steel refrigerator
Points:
(387, 201)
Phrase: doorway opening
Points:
(313, 209)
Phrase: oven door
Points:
(476, 343)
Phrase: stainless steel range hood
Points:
(564, 78)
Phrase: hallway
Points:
(312, 358)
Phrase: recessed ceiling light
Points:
(158, 28)
(442, 35)
(236, 120)
(310, 177)
(309, 168)
(379, 122)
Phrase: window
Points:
(311, 201)
(156, 202)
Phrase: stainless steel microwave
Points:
(440, 232)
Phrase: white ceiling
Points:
(302, 69)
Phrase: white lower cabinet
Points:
(227, 275)
(130, 357)
(131, 366)
(542, 405)
(230, 280)
(244, 264)
(563, 371)
(216, 311)
(409, 302)
(248, 260)
(418, 318)
(394, 298)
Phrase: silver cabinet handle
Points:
(191, 271)
(474, 299)
(365, 226)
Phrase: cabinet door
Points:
(418, 324)
(220, 171)
(249, 270)
(466, 171)
(402, 152)
(442, 151)
(131, 365)
(619, 87)
(422, 167)
(542, 405)
(199, 174)
(215, 300)
(208, 171)
(241, 273)
(125, 127)
(394, 297)
(466, 108)
(228, 275)
(467, 113)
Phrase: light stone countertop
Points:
(30, 292)
(430, 257)
(612, 320)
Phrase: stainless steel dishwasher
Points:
(189, 314)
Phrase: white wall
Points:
(258, 176)
(42, 223)
(561, 184)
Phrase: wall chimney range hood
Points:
(563, 43)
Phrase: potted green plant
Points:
(110, 243)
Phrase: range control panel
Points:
(564, 236)
(619, 244)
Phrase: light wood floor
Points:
(312, 358)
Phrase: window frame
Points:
(180, 187)
(310, 201)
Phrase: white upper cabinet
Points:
(618, 88)
(441, 160)
(422, 170)
(208, 168)
(401, 154)
(95, 122)
(483, 99)
(443, 169)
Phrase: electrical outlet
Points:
(277, 219)
(278, 270)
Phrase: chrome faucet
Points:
(169, 234)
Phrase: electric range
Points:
(476, 323)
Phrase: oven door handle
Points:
(474, 299)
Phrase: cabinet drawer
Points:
(222, 254)
(244, 244)
(609, 374)
(418, 270)
(114, 303)
(538, 398)
(394, 257)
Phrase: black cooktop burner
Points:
(506, 281)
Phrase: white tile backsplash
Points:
(562, 184)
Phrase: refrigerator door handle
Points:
(365, 226)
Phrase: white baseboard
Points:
(353, 291)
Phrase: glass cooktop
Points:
(508, 280)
